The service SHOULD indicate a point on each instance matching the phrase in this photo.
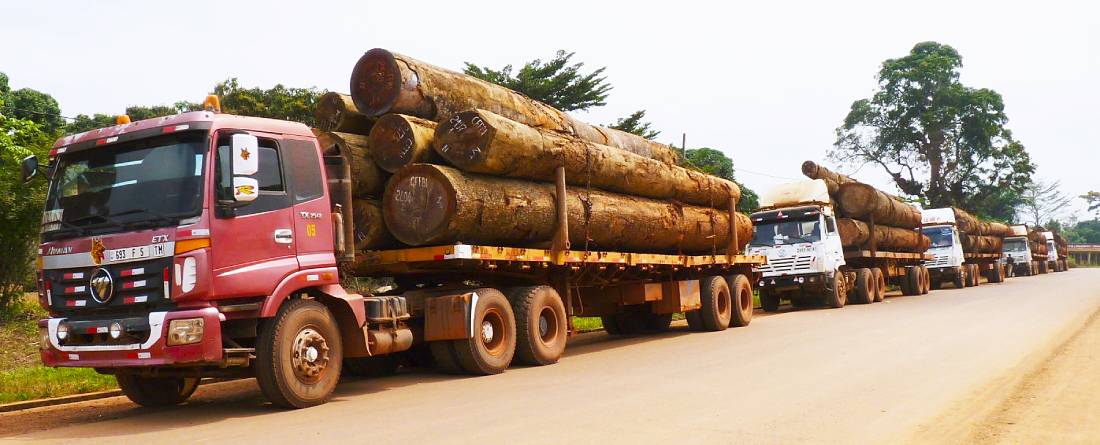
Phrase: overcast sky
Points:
(767, 82)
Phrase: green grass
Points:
(39, 382)
(22, 376)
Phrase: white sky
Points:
(766, 82)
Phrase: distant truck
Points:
(950, 261)
(807, 263)
(1022, 253)
(1056, 259)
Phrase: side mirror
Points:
(30, 168)
(245, 150)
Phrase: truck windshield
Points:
(940, 236)
(1015, 245)
(145, 183)
(786, 232)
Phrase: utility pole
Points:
(683, 145)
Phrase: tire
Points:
(976, 275)
(157, 391)
(491, 349)
(880, 283)
(378, 366)
(716, 304)
(959, 278)
(906, 286)
(936, 283)
(926, 280)
(298, 355)
(443, 354)
(838, 296)
(741, 297)
(541, 331)
(864, 293)
(913, 276)
(658, 322)
(610, 325)
(769, 301)
(1043, 266)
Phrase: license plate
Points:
(134, 253)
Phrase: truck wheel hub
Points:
(310, 355)
(487, 332)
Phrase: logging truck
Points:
(1023, 255)
(950, 261)
(211, 245)
(807, 261)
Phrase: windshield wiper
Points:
(167, 219)
(106, 220)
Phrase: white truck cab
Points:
(1017, 252)
(797, 232)
(1052, 251)
(940, 227)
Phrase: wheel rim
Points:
(745, 300)
(723, 304)
(492, 332)
(548, 325)
(310, 355)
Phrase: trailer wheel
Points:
(493, 345)
(976, 272)
(610, 325)
(298, 355)
(714, 313)
(880, 283)
(864, 291)
(913, 276)
(837, 297)
(540, 324)
(769, 300)
(377, 366)
(658, 322)
(156, 391)
(741, 294)
(443, 354)
(1044, 267)
(925, 280)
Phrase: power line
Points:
(36, 112)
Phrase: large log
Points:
(337, 112)
(855, 233)
(1038, 241)
(428, 204)
(367, 180)
(970, 224)
(385, 82)
(480, 141)
(833, 180)
(980, 244)
(370, 228)
(862, 201)
(398, 140)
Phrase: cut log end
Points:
(376, 82)
(464, 140)
(419, 203)
(398, 140)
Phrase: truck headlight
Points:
(115, 330)
(185, 331)
(62, 332)
(43, 338)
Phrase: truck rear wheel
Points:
(976, 273)
(741, 294)
(926, 280)
(714, 313)
(769, 300)
(540, 324)
(864, 292)
(1043, 266)
(443, 354)
(493, 345)
(298, 355)
(915, 278)
(156, 391)
(837, 297)
(658, 322)
(880, 283)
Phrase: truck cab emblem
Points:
(98, 250)
(102, 286)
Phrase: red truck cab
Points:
(172, 246)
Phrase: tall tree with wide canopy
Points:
(942, 142)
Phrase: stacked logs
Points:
(466, 161)
(857, 204)
(979, 236)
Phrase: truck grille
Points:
(938, 261)
(795, 264)
(134, 285)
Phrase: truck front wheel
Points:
(298, 355)
(837, 296)
(493, 345)
(157, 391)
(769, 300)
(540, 324)
(959, 278)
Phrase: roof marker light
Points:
(122, 119)
(212, 103)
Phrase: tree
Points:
(555, 82)
(32, 105)
(1041, 202)
(1093, 200)
(634, 124)
(942, 142)
(22, 204)
(714, 162)
(278, 102)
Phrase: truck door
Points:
(252, 243)
(313, 230)
(833, 246)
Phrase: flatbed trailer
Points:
(906, 270)
(990, 265)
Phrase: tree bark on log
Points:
(428, 204)
(398, 140)
(367, 180)
(980, 244)
(385, 82)
(861, 201)
(370, 228)
(855, 233)
(1038, 242)
(971, 225)
(337, 112)
(833, 180)
(483, 142)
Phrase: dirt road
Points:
(892, 372)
